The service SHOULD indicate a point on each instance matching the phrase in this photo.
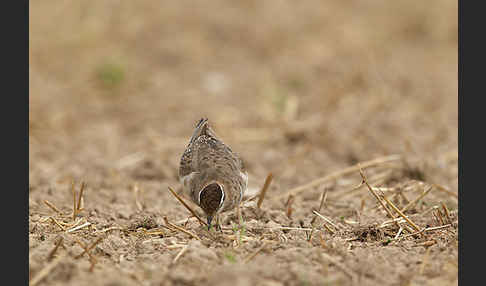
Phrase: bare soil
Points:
(301, 89)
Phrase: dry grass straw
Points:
(154, 232)
(236, 238)
(46, 270)
(417, 199)
(425, 260)
(362, 204)
(341, 266)
(434, 213)
(329, 221)
(268, 180)
(251, 256)
(74, 200)
(181, 252)
(77, 204)
(398, 233)
(445, 190)
(427, 243)
(338, 174)
(377, 197)
(174, 246)
(136, 192)
(392, 221)
(328, 228)
(322, 241)
(323, 201)
(52, 206)
(79, 227)
(427, 230)
(289, 228)
(54, 250)
(438, 217)
(77, 208)
(429, 210)
(376, 179)
(187, 206)
(409, 221)
(288, 206)
(57, 223)
(129, 160)
(404, 199)
(109, 229)
(87, 249)
(181, 229)
(446, 213)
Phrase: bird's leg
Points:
(185, 224)
(218, 223)
(240, 217)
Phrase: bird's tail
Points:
(202, 128)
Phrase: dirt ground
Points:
(303, 90)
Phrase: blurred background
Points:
(300, 89)
(297, 88)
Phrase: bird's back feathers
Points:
(207, 159)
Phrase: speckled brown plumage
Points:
(211, 174)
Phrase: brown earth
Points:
(301, 89)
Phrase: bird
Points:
(211, 174)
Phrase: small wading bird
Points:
(211, 174)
